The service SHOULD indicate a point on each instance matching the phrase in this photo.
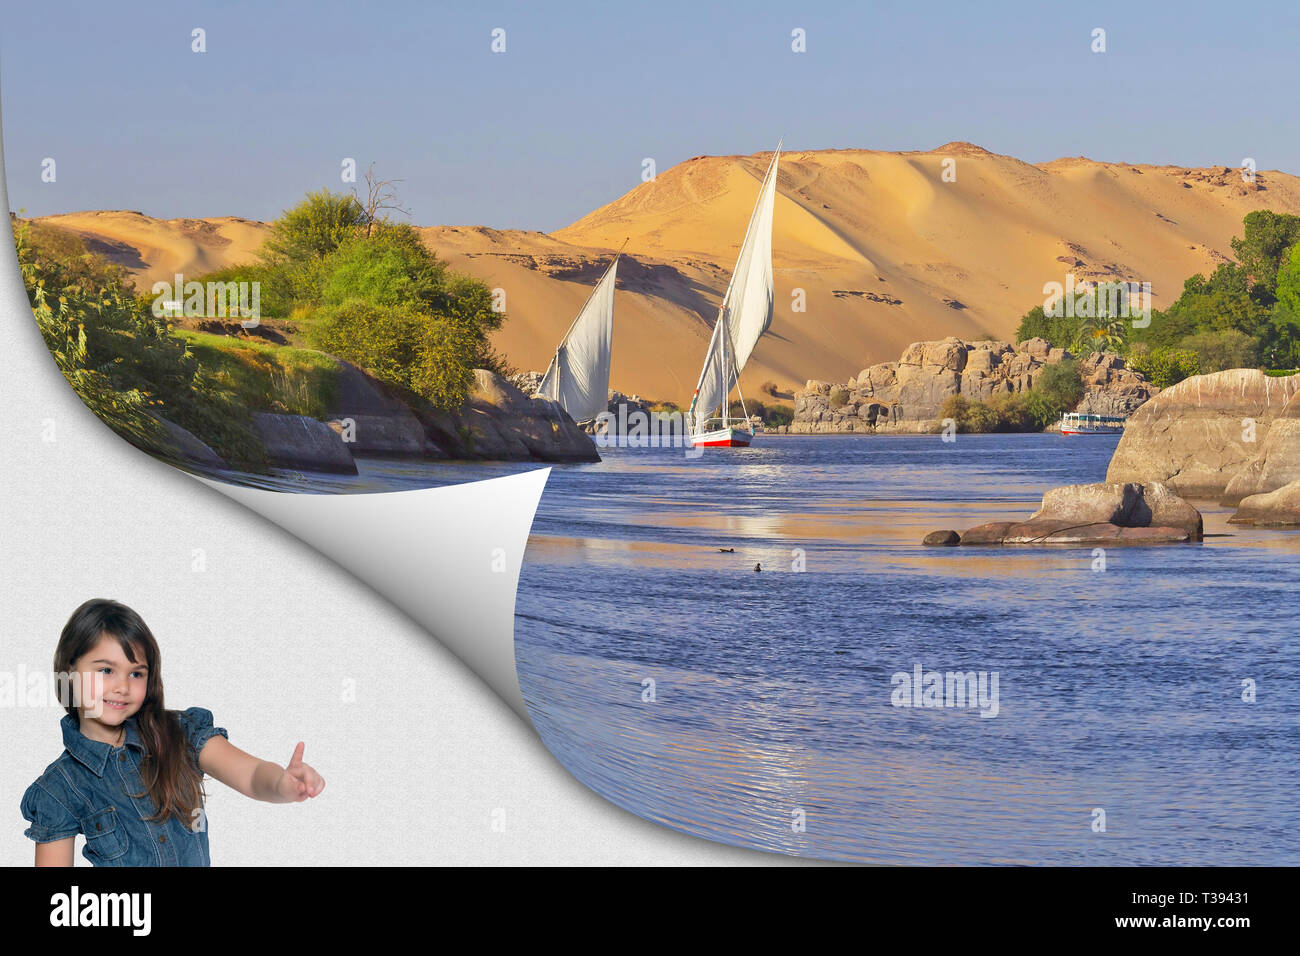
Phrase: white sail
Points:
(746, 310)
(578, 376)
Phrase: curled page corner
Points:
(449, 557)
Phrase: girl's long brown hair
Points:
(172, 780)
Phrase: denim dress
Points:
(92, 789)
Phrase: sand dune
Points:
(885, 251)
(155, 249)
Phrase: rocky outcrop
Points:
(1278, 507)
(1094, 515)
(499, 422)
(822, 408)
(299, 442)
(907, 395)
(373, 421)
(620, 406)
(188, 449)
(496, 423)
(1198, 435)
(527, 382)
(1111, 387)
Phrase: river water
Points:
(759, 708)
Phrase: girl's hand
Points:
(299, 781)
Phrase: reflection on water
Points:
(1119, 689)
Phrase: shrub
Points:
(969, 416)
(1165, 366)
(393, 267)
(431, 355)
(123, 362)
(839, 396)
(1013, 414)
(776, 415)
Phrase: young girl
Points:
(130, 778)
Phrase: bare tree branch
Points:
(380, 198)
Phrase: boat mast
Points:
(726, 336)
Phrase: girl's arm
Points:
(259, 779)
(57, 853)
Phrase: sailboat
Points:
(743, 316)
(578, 376)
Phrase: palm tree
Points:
(1103, 334)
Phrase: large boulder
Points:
(189, 449)
(302, 443)
(1099, 514)
(1278, 461)
(1168, 510)
(1126, 505)
(922, 389)
(1196, 436)
(1090, 504)
(1278, 507)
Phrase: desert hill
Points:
(886, 251)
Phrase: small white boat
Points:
(1074, 423)
(743, 317)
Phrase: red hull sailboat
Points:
(743, 316)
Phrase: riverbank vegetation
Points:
(124, 363)
(335, 281)
(1058, 389)
(1246, 314)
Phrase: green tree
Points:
(1281, 348)
(1103, 334)
(1059, 331)
(1060, 386)
(1217, 351)
(1268, 236)
(1288, 280)
(314, 227)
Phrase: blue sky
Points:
(559, 124)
